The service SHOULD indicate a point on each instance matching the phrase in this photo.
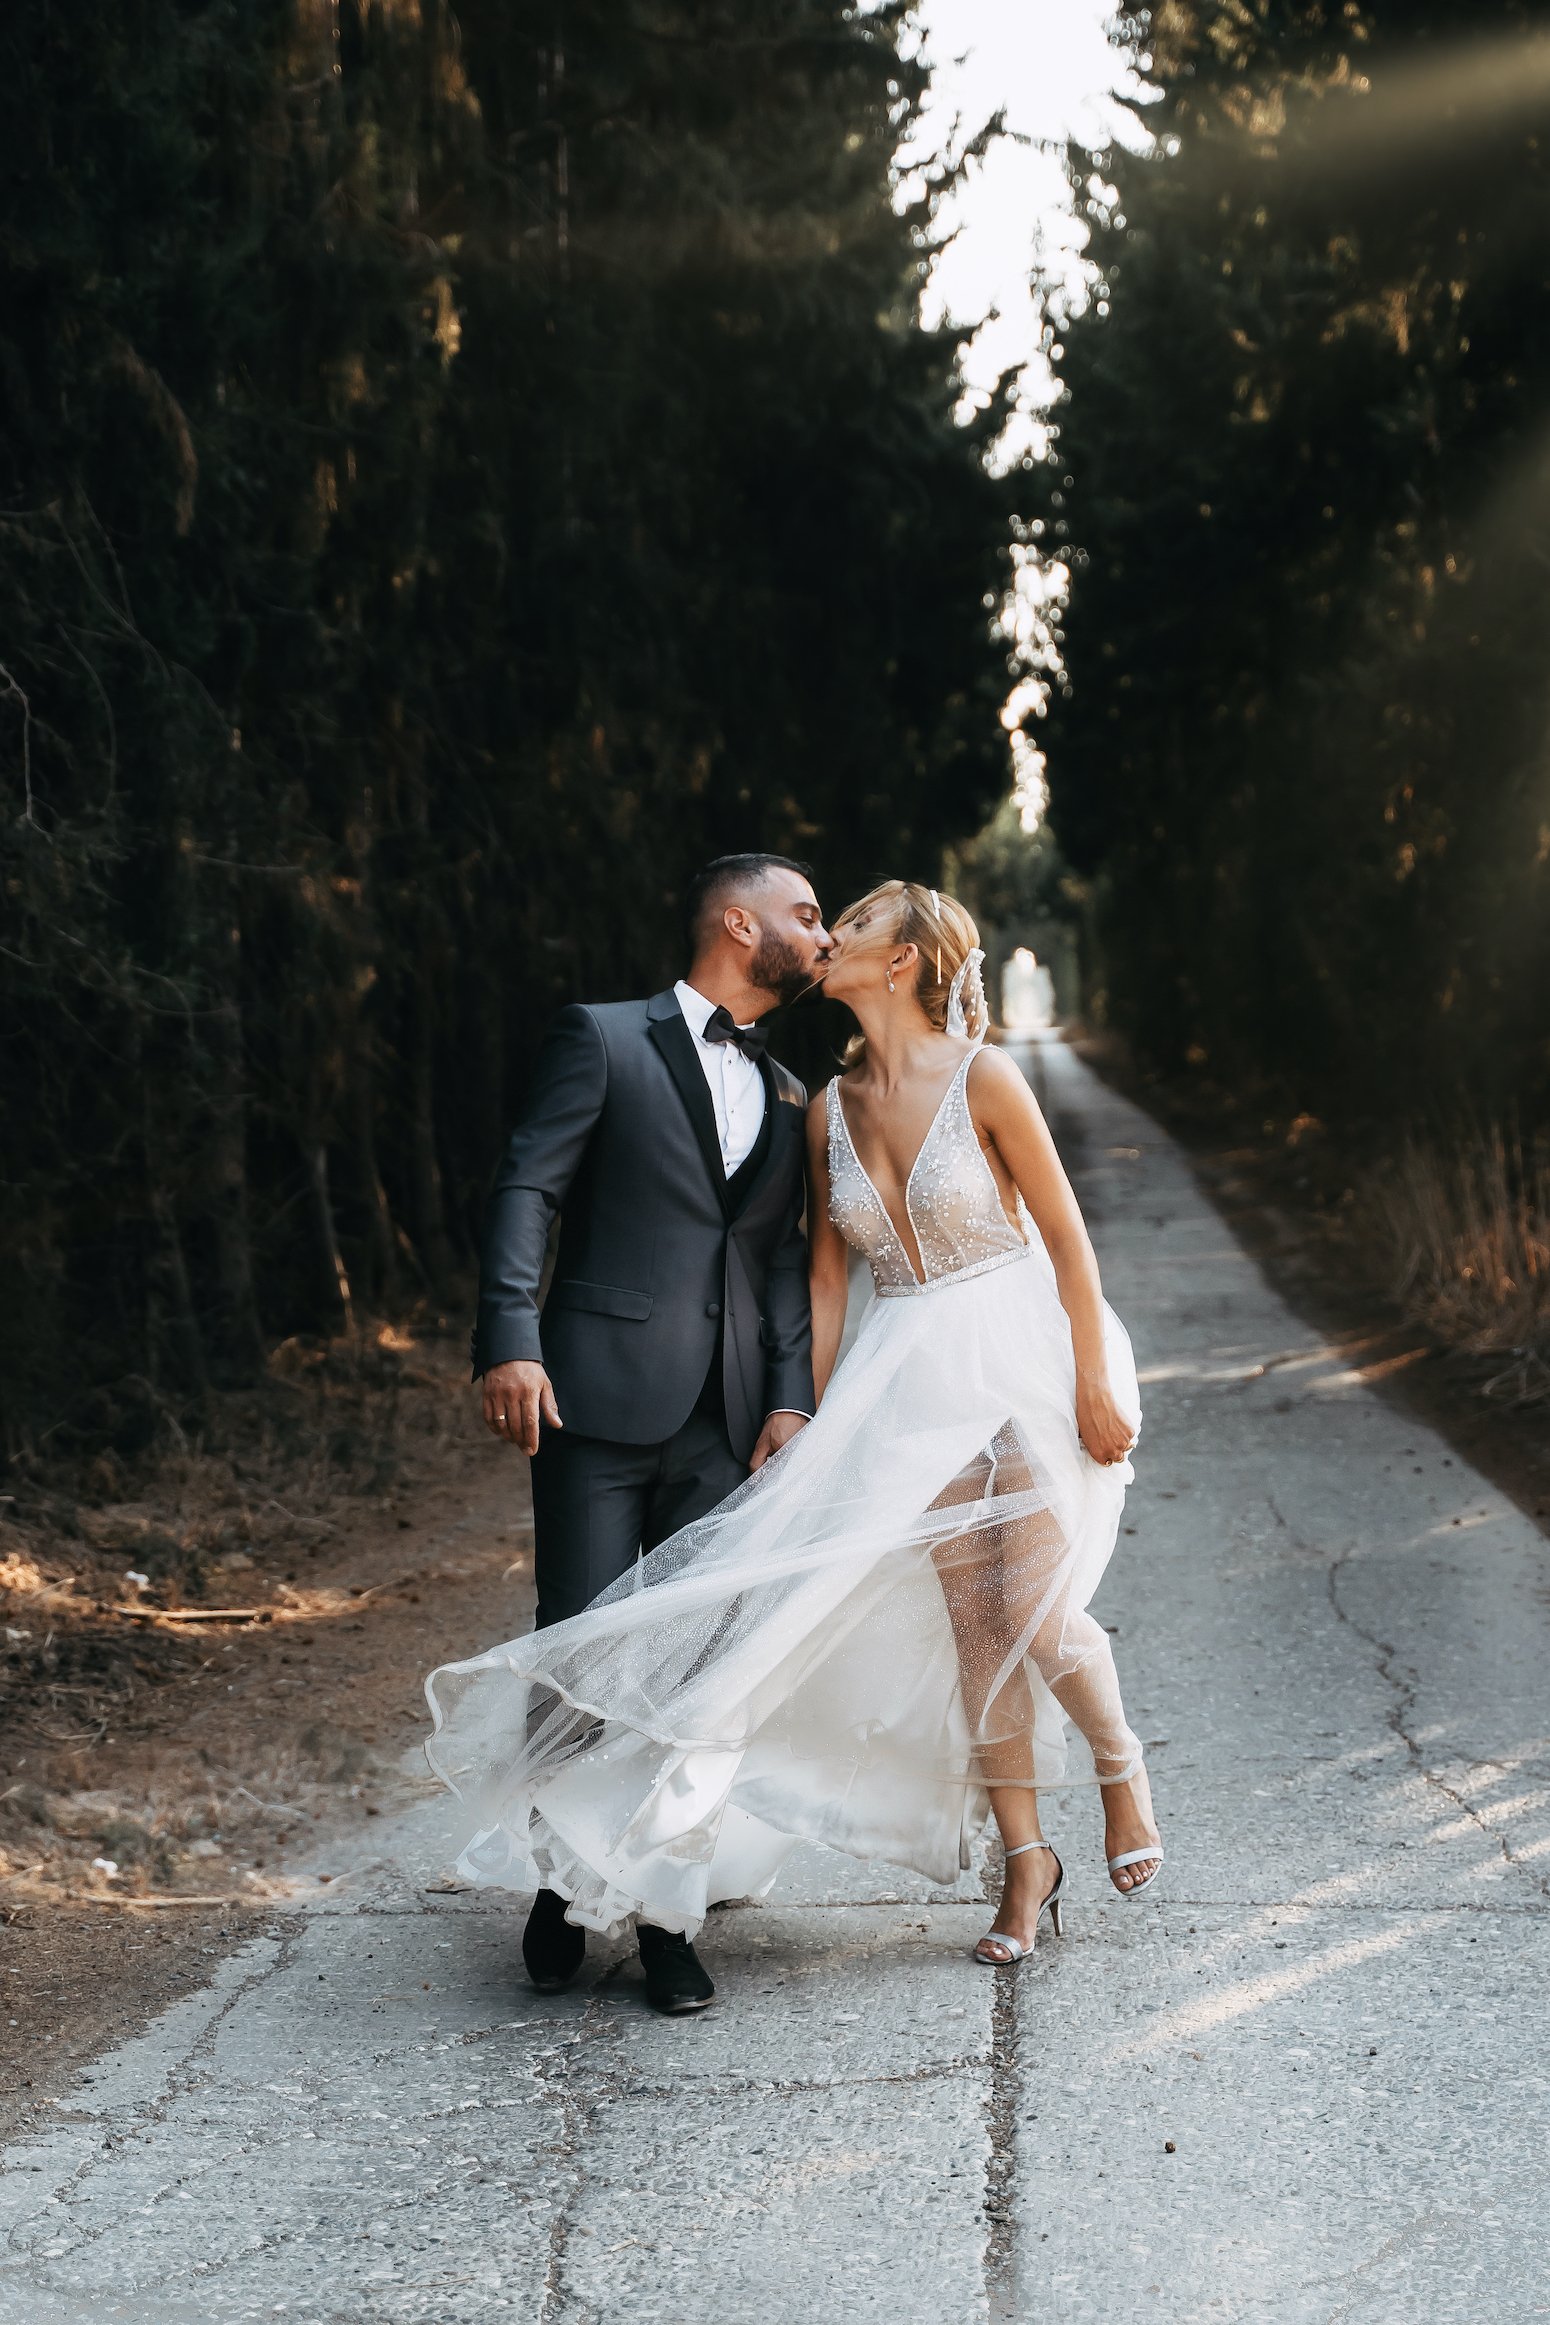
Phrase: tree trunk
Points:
(237, 1335)
(425, 1188)
(172, 1320)
(336, 1278)
(382, 1254)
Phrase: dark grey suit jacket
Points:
(619, 1138)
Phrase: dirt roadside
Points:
(212, 1663)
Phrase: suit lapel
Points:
(665, 1023)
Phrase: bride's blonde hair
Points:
(906, 913)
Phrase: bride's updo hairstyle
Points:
(902, 912)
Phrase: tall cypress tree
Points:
(1302, 750)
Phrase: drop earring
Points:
(888, 973)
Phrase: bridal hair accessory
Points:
(968, 987)
(936, 906)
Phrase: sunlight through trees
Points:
(1304, 473)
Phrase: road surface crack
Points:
(618, 2083)
(1001, 2110)
(1401, 1710)
(576, 2106)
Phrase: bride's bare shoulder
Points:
(846, 1078)
(989, 1065)
(996, 1080)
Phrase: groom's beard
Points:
(777, 967)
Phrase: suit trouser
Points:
(597, 1504)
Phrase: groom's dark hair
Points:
(721, 882)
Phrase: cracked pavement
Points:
(1304, 2084)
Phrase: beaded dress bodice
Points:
(951, 1199)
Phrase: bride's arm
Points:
(827, 1261)
(1005, 1110)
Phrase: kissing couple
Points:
(787, 1594)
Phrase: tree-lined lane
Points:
(1329, 2011)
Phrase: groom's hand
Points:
(517, 1397)
(778, 1430)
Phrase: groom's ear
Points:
(740, 925)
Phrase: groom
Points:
(671, 1355)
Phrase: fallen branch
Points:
(271, 1807)
(65, 1736)
(193, 1614)
(310, 1606)
(325, 1524)
(89, 1897)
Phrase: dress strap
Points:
(835, 1126)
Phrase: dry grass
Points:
(182, 1825)
(1466, 1225)
(134, 1587)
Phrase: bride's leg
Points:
(969, 1570)
(1004, 1760)
(1013, 1588)
(1006, 1585)
(1028, 1876)
(1072, 1652)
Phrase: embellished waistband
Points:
(960, 1275)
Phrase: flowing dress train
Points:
(885, 1620)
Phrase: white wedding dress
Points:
(888, 1616)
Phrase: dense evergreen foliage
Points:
(459, 471)
(1304, 483)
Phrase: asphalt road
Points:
(1304, 2084)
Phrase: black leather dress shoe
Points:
(676, 1980)
(552, 1947)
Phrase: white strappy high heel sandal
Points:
(1136, 1857)
(1013, 1949)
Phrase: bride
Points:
(882, 1633)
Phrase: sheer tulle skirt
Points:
(885, 1621)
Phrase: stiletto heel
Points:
(1012, 1949)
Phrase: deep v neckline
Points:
(919, 1274)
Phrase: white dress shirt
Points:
(736, 1084)
(736, 1092)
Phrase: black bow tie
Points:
(752, 1040)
